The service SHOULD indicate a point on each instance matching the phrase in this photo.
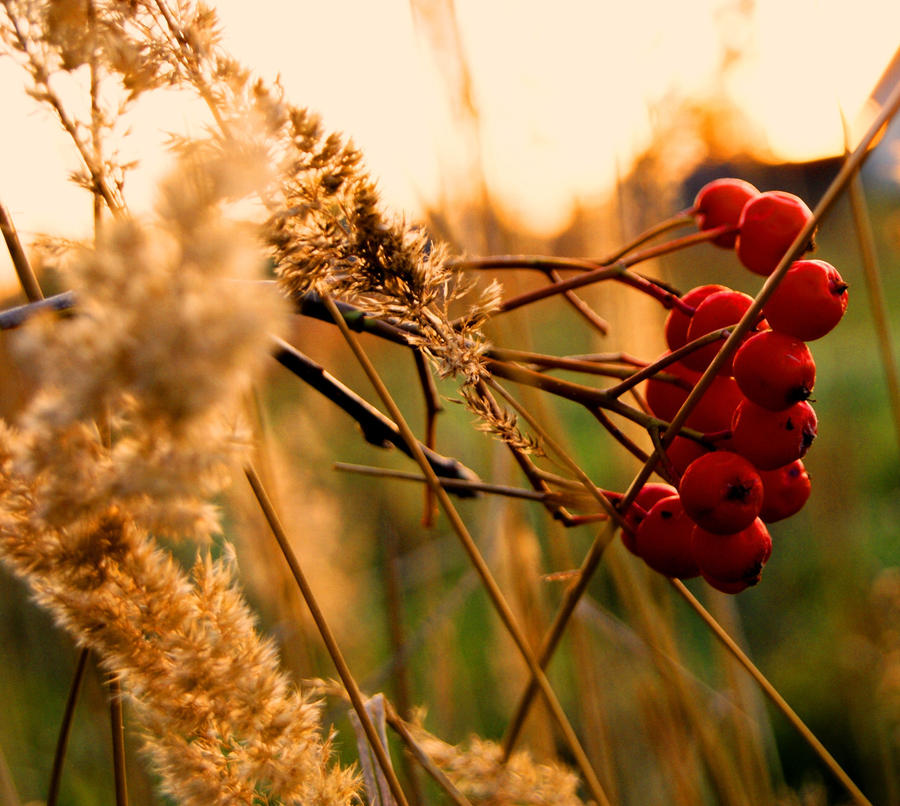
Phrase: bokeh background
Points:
(517, 127)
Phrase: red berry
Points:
(663, 540)
(718, 310)
(770, 439)
(721, 492)
(719, 203)
(774, 370)
(664, 397)
(713, 411)
(677, 321)
(768, 225)
(682, 451)
(809, 301)
(729, 587)
(734, 558)
(785, 491)
(645, 499)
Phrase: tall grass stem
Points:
(492, 588)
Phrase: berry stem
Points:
(606, 367)
(581, 307)
(840, 182)
(652, 370)
(593, 272)
(620, 436)
(459, 484)
(681, 219)
(587, 396)
(717, 436)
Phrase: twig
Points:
(65, 728)
(587, 396)
(453, 485)
(496, 595)
(415, 749)
(619, 435)
(357, 320)
(772, 693)
(432, 408)
(328, 638)
(390, 543)
(21, 264)
(593, 272)
(653, 370)
(592, 367)
(877, 304)
(15, 317)
(376, 428)
(581, 307)
(681, 219)
(117, 725)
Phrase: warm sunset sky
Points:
(564, 96)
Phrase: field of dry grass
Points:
(388, 565)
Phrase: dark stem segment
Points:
(433, 407)
(117, 725)
(12, 318)
(377, 429)
(451, 485)
(357, 320)
(65, 728)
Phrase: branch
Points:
(376, 428)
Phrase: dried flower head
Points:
(478, 770)
(133, 427)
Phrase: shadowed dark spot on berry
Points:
(753, 574)
(808, 436)
(789, 425)
(799, 394)
(738, 492)
(666, 513)
(838, 288)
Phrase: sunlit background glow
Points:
(561, 99)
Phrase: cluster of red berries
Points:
(757, 424)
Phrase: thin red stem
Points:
(592, 272)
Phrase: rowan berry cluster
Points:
(746, 471)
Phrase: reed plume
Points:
(133, 427)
